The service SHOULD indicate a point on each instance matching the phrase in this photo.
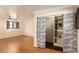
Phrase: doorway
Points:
(54, 36)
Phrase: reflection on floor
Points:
(22, 44)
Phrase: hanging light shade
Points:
(9, 17)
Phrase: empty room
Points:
(39, 29)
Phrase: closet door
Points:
(41, 31)
(70, 33)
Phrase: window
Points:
(12, 25)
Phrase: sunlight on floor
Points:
(12, 48)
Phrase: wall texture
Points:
(41, 32)
(70, 33)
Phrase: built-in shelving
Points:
(58, 39)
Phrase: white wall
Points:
(28, 27)
(5, 33)
(28, 22)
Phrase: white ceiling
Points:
(26, 10)
(32, 8)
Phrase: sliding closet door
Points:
(41, 32)
(70, 33)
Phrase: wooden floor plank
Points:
(22, 44)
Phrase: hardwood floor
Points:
(22, 44)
